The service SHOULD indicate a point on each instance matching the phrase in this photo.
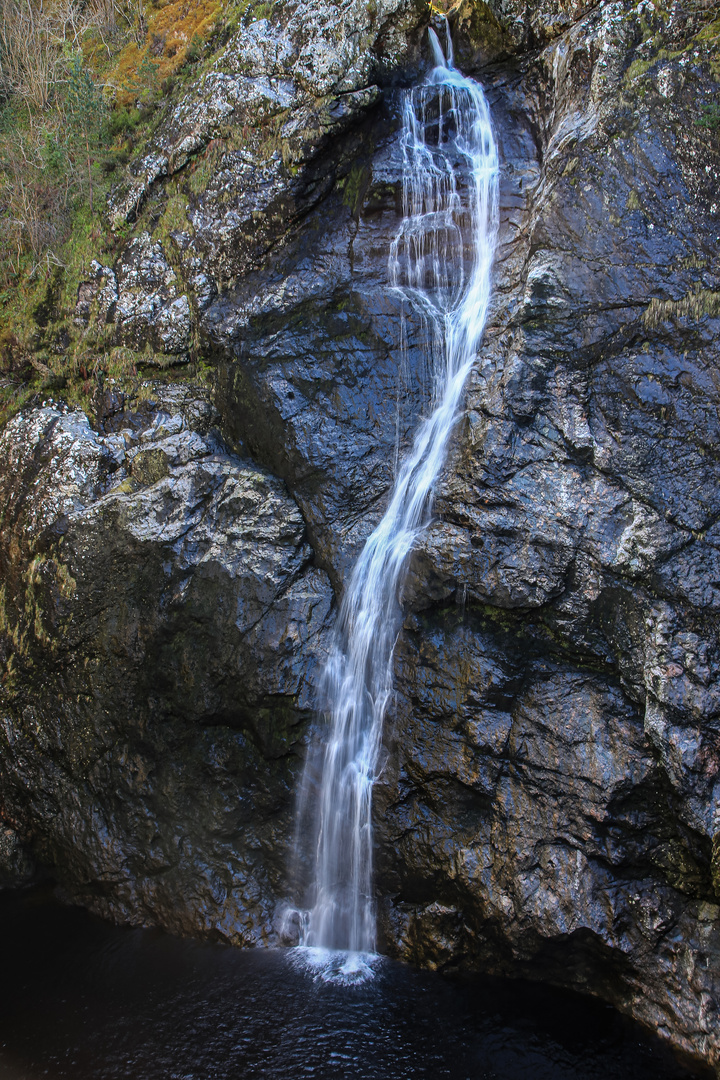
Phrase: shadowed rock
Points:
(160, 619)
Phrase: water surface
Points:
(83, 1000)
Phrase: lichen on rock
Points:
(182, 612)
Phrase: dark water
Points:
(82, 999)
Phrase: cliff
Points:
(170, 564)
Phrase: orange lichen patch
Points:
(171, 29)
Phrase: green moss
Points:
(633, 202)
(259, 11)
(709, 117)
(12, 398)
(693, 262)
(706, 41)
(174, 218)
(484, 30)
(353, 187)
(34, 583)
(200, 174)
(66, 583)
(710, 33)
(694, 306)
(37, 321)
(637, 69)
(242, 12)
(84, 245)
(123, 121)
(127, 487)
(679, 867)
(149, 466)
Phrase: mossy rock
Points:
(715, 865)
(149, 466)
(479, 36)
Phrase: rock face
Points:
(550, 803)
(552, 785)
(161, 621)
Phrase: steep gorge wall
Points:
(549, 804)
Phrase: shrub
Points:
(85, 110)
(710, 117)
(122, 121)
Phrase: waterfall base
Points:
(337, 965)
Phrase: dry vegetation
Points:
(65, 68)
(79, 83)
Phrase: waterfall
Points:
(440, 263)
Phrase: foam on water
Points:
(337, 966)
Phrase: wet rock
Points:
(528, 802)
(549, 802)
(530, 25)
(563, 600)
(159, 614)
(17, 867)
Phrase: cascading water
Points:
(440, 261)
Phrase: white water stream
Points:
(440, 261)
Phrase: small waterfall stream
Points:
(440, 262)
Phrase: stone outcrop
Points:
(549, 802)
(161, 622)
